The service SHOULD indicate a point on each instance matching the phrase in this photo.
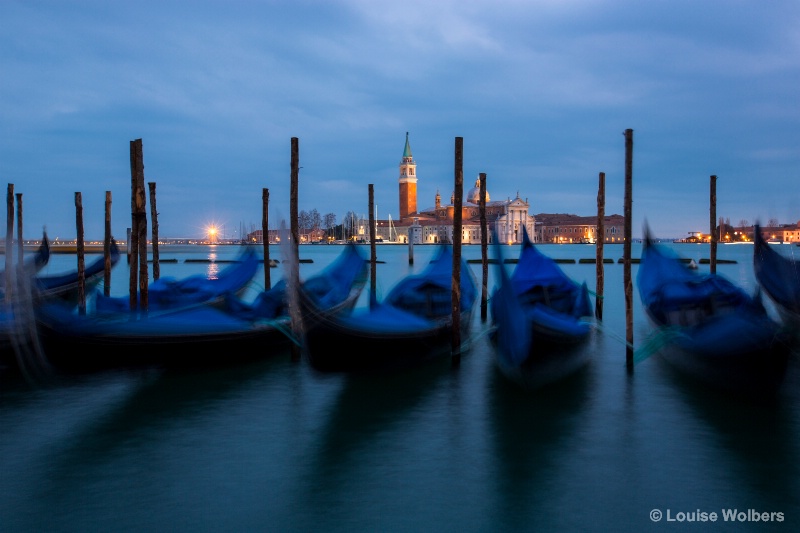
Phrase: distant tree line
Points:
(325, 226)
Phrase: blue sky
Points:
(540, 91)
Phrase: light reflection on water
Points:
(275, 446)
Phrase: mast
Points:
(391, 227)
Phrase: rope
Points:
(283, 329)
(654, 342)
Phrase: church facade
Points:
(505, 218)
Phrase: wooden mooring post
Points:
(373, 254)
(9, 241)
(20, 245)
(265, 236)
(713, 215)
(295, 244)
(599, 241)
(484, 248)
(456, 278)
(138, 262)
(154, 219)
(627, 250)
(81, 254)
(107, 247)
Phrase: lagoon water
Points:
(275, 446)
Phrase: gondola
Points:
(411, 325)
(199, 335)
(32, 265)
(17, 308)
(779, 276)
(541, 318)
(709, 328)
(169, 292)
(66, 285)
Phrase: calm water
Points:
(274, 446)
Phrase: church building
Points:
(435, 224)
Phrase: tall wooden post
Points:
(295, 239)
(107, 248)
(23, 289)
(141, 207)
(133, 242)
(265, 236)
(456, 278)
(20, 242)
(293, 213)
(9, 242)
(373, 255)
(599, 242)
(81, 254)
(713, 232)
(484, 248)
(627, 250)
(139, 225)
(154, 218)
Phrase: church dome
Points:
(474, 194)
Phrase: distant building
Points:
(789, 233)
(564, 229)
(506, 218)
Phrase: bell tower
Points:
(408, 183)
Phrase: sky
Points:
(540, 91)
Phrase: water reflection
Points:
(362, 455)
(213, 267)
(756, 438)
(531, 432)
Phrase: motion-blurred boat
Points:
(412, 324)
(194, 335)
(779, 276)
(542, 319)
(708, 327)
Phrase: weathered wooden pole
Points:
(265, 236)
(133, 234)
(373, 254)
(107, 248)
(139, 231)
(141, 206)
(713, 215)
(627, 250)
(23, 289)
(9, 241)
(484, 248)
(295, 238)
(410, 247)
(293, 212)
(129, 239)
(599, 242)
(154, 231)
(81, 254)
(20, 241)
(456, 278)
